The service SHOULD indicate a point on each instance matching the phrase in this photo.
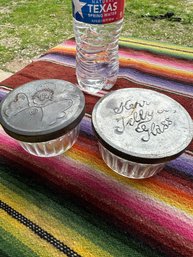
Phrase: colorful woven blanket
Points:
(73, 204)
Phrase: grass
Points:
(30, 27)
(165, 30)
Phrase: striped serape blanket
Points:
(73, 204)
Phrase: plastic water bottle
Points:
(97, 25)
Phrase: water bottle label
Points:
(98, 11)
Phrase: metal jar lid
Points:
(42, 110)
(142, 125)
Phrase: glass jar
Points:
(53, 147)
(140, 130)
(128, 168)
(44, 116)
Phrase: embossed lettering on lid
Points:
(142, 125)
(42, 110)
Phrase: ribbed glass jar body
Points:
(127, 168)
(52, 147)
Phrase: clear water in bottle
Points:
(97, 28)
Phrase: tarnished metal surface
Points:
(142, 123)
(42, 109)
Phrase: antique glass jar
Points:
(44, 116)
(140, 130)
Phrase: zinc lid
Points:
(42, 110)
(142, 125)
